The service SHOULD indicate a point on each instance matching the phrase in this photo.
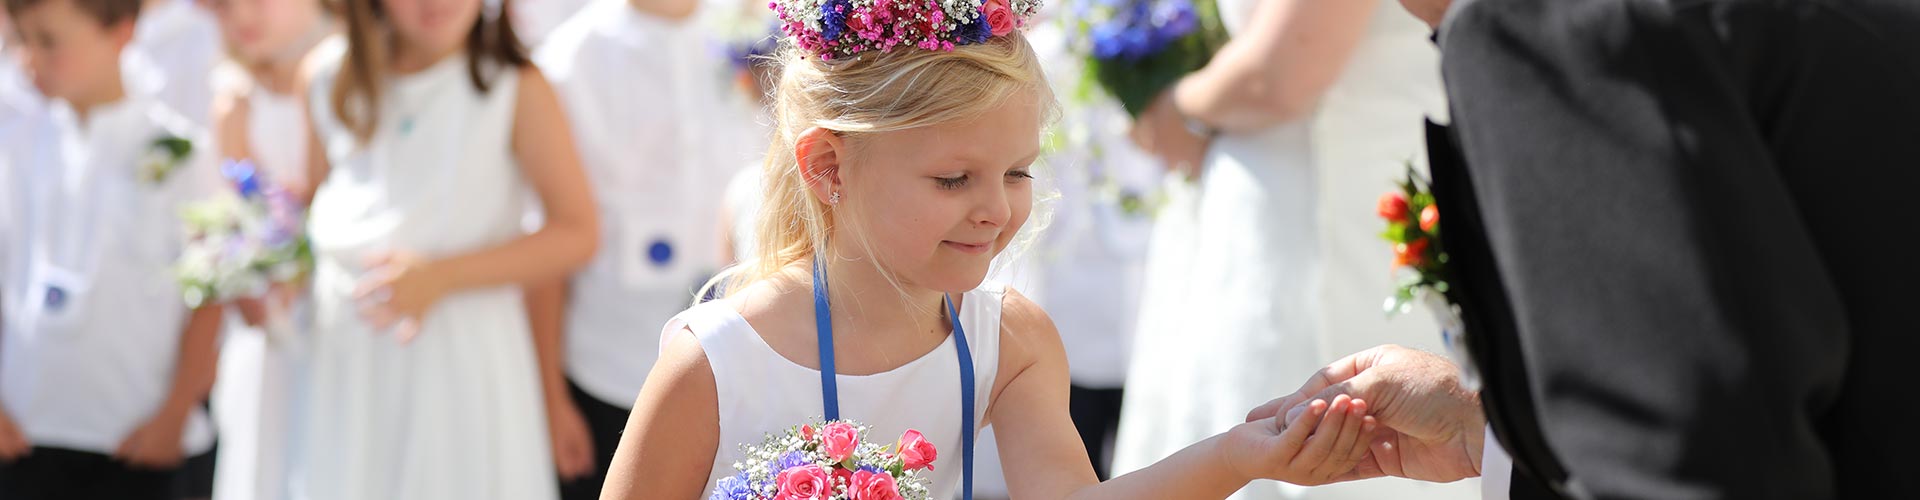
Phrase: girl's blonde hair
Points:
(872, 93)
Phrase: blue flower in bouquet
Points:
(1173, 19)
(1142, 28)
(244, 176)
(733, 487)
(791, 460)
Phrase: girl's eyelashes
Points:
(960, 181)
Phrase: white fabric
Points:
(175, 47)
(1496, 469)
(1368, 125)
(251, 400)
(535, 20)
(456, 414)
(1228, 316)
(640, 109)
(18, 99)
(761, 391)
(1269, 267)
(85, 374)
(742, 201)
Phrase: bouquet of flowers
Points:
(830, 461)
(241, 243)
(1413, 226)
(1139, 48)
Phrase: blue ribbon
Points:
(829, 386)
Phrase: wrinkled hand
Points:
(1322, 443)
(573, 453)
(155, 445)
(1161, 131)
(13, 443)
(1432, 427)
(397, 291)
(1431, 11)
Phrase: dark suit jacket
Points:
(1680, 233)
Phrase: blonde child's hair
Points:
(875, 92)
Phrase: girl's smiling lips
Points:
(969, 248)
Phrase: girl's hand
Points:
(1320, 446)
(398, 290)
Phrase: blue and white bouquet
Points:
(1138, 48)
(241, 243)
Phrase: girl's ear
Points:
(820, 152)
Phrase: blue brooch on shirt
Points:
(660, 253)
(56, 298)
(165, 155)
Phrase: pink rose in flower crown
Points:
(869, 485)
(999, 16)
(916, 452)
(804, 483)
(838, 440)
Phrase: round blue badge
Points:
(660, 253)
(56, 298)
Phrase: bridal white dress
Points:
(1254, 268)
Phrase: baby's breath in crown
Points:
(841, 28)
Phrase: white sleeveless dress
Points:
(761, 391)
(251, 398)
(1228, 317)
(456, 414)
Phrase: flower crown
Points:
(842, 28)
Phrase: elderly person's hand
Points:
(1433, 427)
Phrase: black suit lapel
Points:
(1492, 340)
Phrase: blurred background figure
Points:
(103, 369)
(1267, 257)
(175, 48)
(646, 93)
(257, 117)
(429, 134)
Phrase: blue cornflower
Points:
(833, 18)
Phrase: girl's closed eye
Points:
(1019, 175)
(951, 183)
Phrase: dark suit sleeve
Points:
(1679, 331)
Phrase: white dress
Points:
(761, 391)
(251, 398)
(456, 414)
(1228, 318)
(1368, 125)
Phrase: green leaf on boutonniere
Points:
(162, 157)
(177, 147)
